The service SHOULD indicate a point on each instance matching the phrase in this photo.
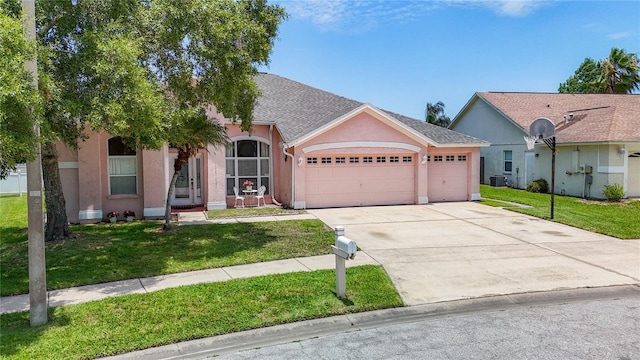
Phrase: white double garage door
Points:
(380, 179)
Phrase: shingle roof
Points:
(596, 117)
(440, 135)
(298, 109)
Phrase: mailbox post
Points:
(344, 249)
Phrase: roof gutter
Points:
(293, 173)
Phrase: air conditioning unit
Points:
(497, 181)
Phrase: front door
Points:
(188, 189)
(529, 174)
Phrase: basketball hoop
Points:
(545, 130)
(531, 141)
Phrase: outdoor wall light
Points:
(300, 160)
(424, 159)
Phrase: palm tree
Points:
(434, 114)
(191, 132)
(620, 72)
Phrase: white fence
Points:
(15, 183)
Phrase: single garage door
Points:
(448, 180)
(359, 180)
(633, 185)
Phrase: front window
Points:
(508, 161)
(123, 168)
(247, 160)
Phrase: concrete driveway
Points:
(450, 251)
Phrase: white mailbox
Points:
(345, 248)
(346, 245)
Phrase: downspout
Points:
(273, 192)
(293, 173)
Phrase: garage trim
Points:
(361, 144)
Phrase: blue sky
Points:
(399, 55)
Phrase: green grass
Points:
(110, 252)
(132, 322)
(13, 218)
(247, 212)
(615, 219)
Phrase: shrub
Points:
(538, 186)
(613, 192)
(544, 185)
(533, 187)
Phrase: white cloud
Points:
(355, 16)
(361, 15)
(516, 7)
(619, 35)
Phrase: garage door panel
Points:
(359, 184)
(448, 181)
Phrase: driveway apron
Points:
(450, 251)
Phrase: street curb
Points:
(303, 330)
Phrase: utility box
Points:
(497, 181)
(585, 169)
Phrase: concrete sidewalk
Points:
(77, 295)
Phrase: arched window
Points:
(247, 160)
(123, 168)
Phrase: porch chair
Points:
(238, 197)
(261, 190)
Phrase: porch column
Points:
(154, 187)
(216, 180)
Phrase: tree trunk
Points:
(167, 208)
(57, 225)
(182, 159)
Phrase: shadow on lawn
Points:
(112, 252)
(17, 333)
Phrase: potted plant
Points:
(113, 216)
(130, 215)
(248, 184)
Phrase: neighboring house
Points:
(308, 147)
(597, 136)
(15, 182)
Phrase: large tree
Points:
(584, 80)
(206, 53)
(617, 74)
(434, 114)
(91, 78)
(19, 100)
(146, 71)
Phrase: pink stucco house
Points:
(309, 148)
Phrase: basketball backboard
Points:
(542, 128)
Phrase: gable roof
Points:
(299, 110)
(596, 117)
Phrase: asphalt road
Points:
(590, 329)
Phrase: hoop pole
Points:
(553, 172)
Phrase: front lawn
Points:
(251, 211)
(133, 322)
(610, 218)
(110, 252)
